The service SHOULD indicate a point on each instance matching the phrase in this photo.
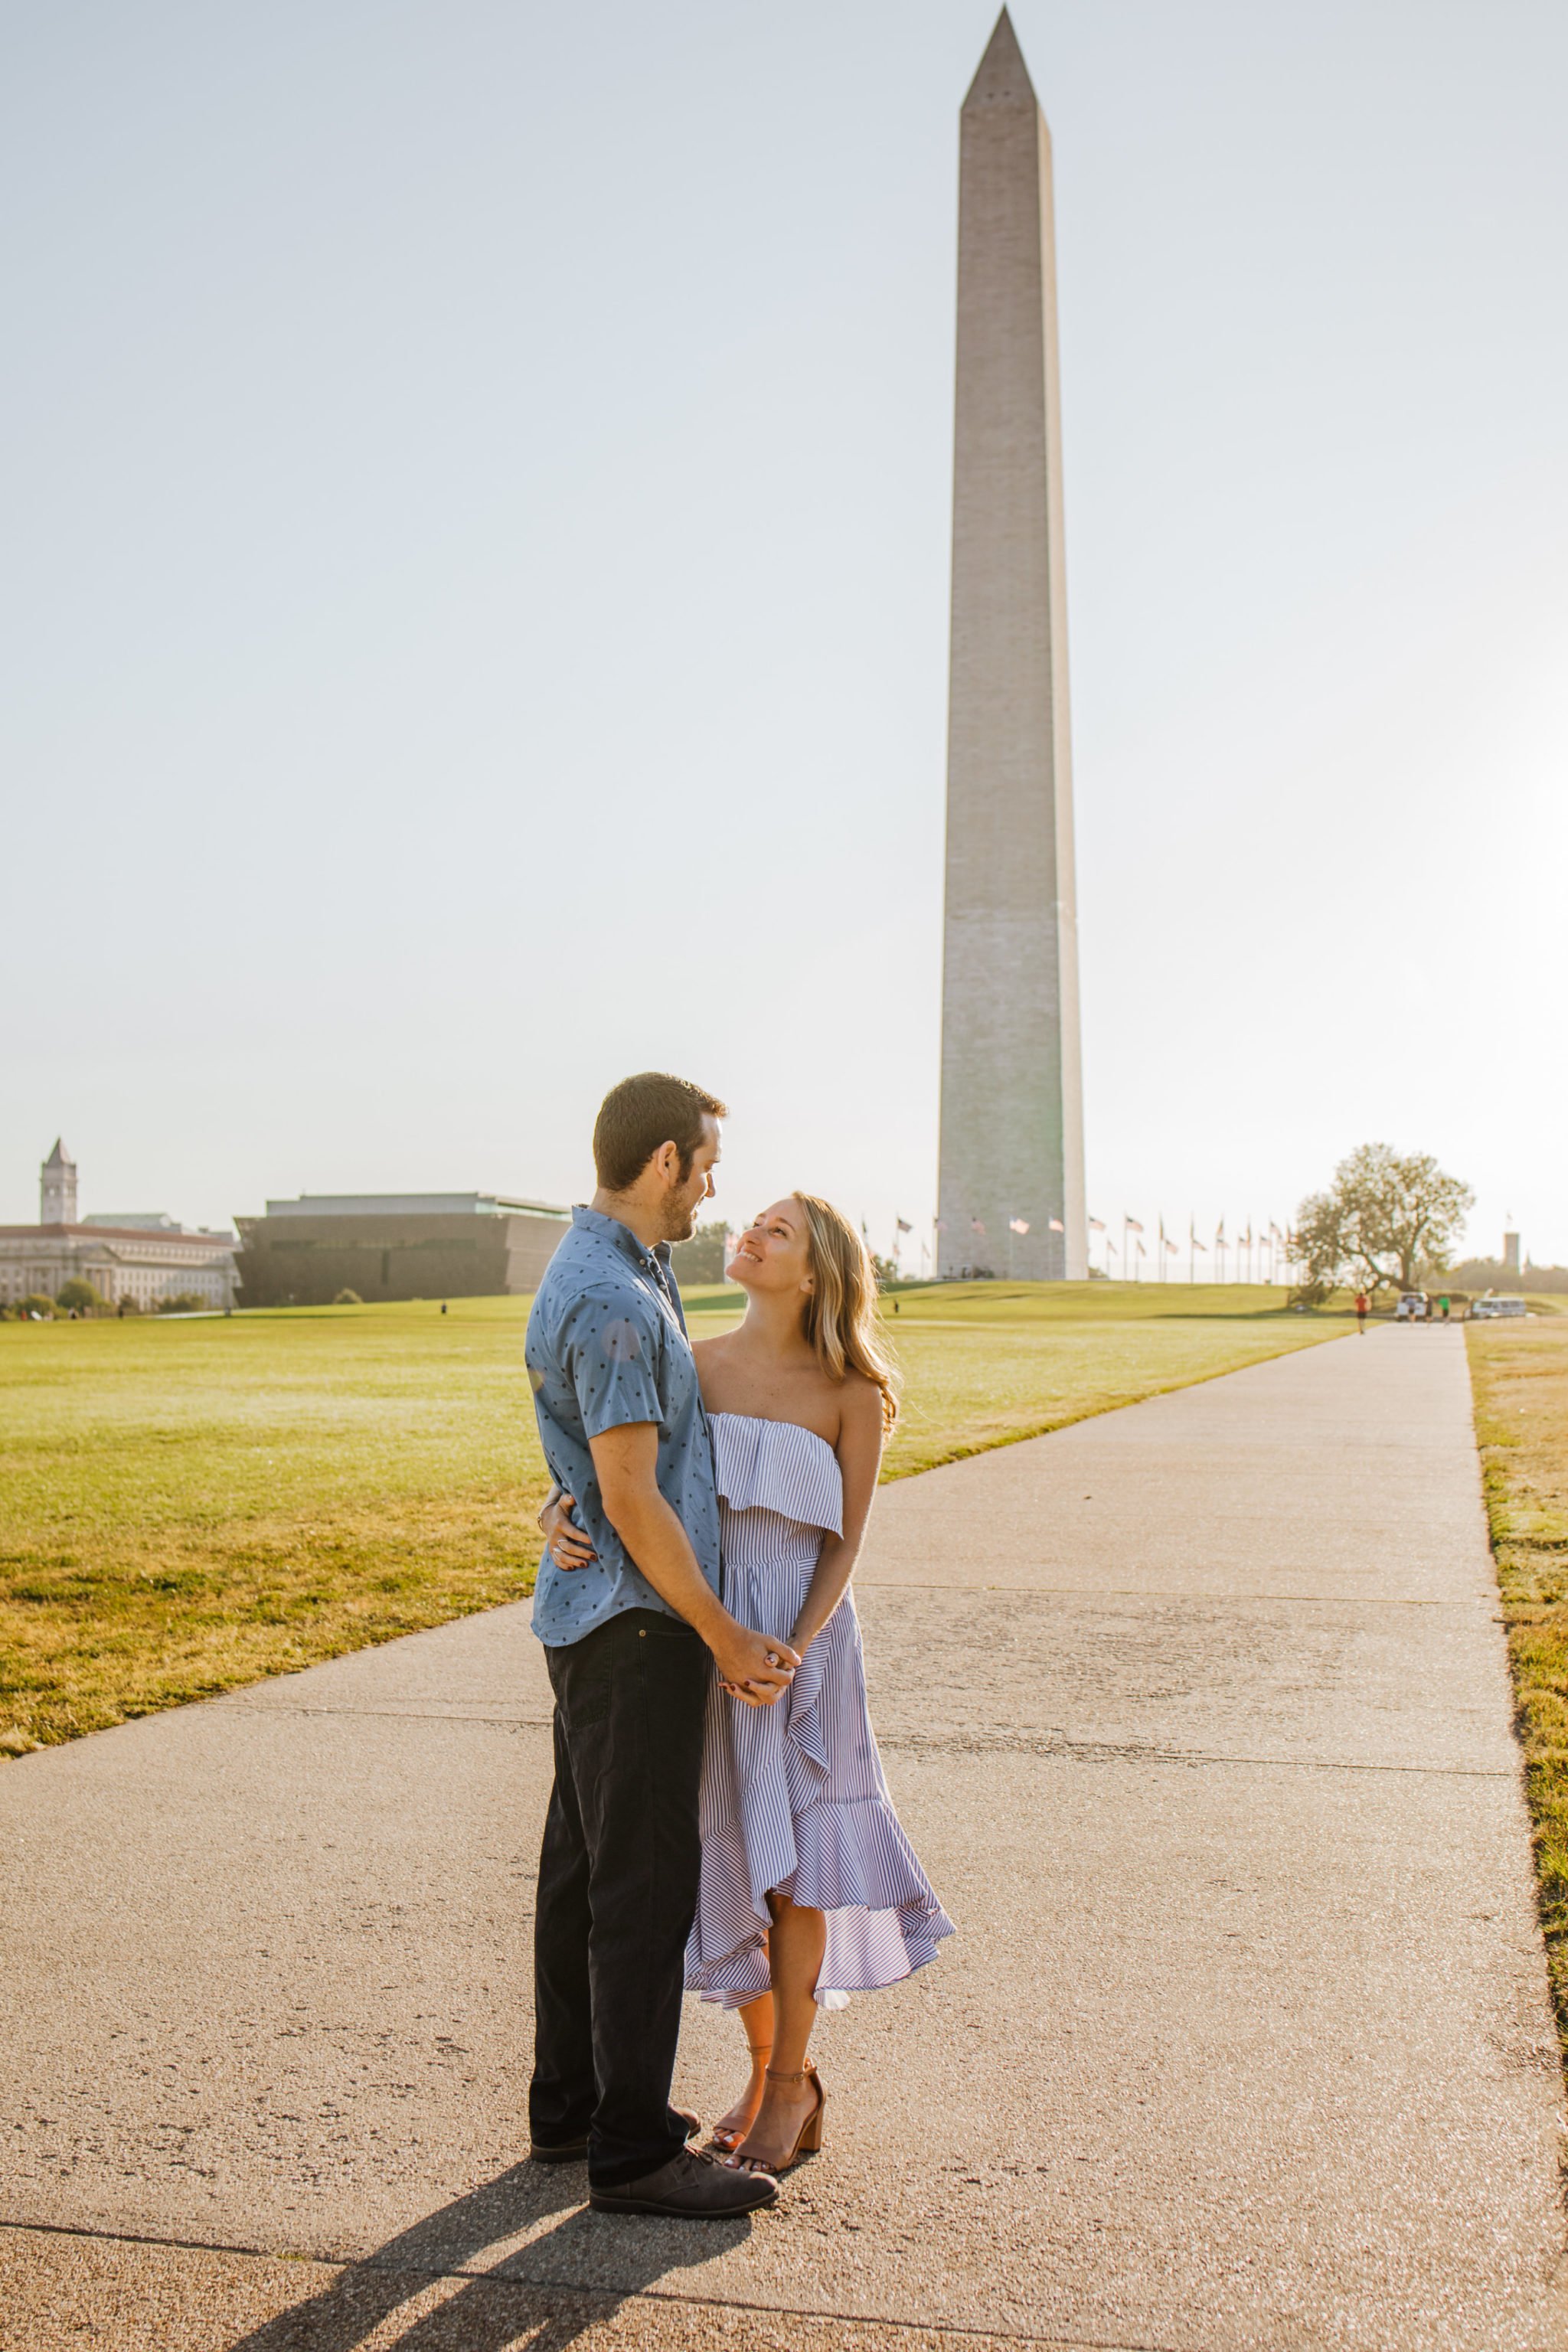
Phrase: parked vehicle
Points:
(1486, 1309)
(1413, 1307)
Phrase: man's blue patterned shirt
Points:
(606, 1347)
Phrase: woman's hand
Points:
(569, 1547)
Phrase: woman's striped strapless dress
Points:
(792, 1794)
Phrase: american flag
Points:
(1017, 1225)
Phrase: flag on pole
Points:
(1017, 1225)
(1174, 1247)
(1202, 1247)
(1133, 1223)
(1057, 1226)
(1141, 1251)
(1095, 1225)
(903, 1225)
(975, 1226)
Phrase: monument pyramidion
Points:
(1011, 1190)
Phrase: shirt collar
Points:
(621, 1237)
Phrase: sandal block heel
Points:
(808, 2140)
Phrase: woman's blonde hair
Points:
(841, 1317)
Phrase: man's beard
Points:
(680, 1222)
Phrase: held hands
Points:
(569, 1547)
(756, 1667)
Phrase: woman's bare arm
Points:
(860, 1452)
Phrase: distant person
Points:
(631, 1638)
(810, 1888)
(443, 1307)
(1443, 1307)
(1361, 1303)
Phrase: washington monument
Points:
(1011, 1096)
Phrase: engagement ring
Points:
(772, 1657)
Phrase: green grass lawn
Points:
(187, 1505)
(1520, 1375)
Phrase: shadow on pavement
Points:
(592, 2262)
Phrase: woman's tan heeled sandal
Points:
(724, 2143)
(808, 2140)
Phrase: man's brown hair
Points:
(642, 1113)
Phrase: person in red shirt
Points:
(1361, 1308)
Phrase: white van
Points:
(1485, 1309)
(1413, 1307)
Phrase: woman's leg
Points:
(757, 2018)
(795, 1952)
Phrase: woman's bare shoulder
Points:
(859, 1398)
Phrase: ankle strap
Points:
(776, 2075)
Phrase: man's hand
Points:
(754, 1666)
(569, 1547)
(626, 1462)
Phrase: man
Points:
(631, 1641)
(1362, 1303)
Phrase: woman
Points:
(810, 1889)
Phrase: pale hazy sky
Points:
(476, 487)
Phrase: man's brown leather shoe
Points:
(696, 2187)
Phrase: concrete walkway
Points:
(1198, 1716)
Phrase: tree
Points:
(1385, 1215)
(78, 1293)
(36, 1306)
(701, 1259)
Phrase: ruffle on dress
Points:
(777, 1465)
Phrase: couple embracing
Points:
(719, 1821)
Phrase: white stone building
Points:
(138, 1257)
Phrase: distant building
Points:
(57, 1188)
(386, 1245)
(1511, 1253)
(139, 1257)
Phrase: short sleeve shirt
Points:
(607, 1346)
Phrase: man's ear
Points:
(667, 1162)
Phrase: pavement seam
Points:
(1216, 1598)
(392, 1714)
(978, 1744)
(506, 2277)
(1094, 1751)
